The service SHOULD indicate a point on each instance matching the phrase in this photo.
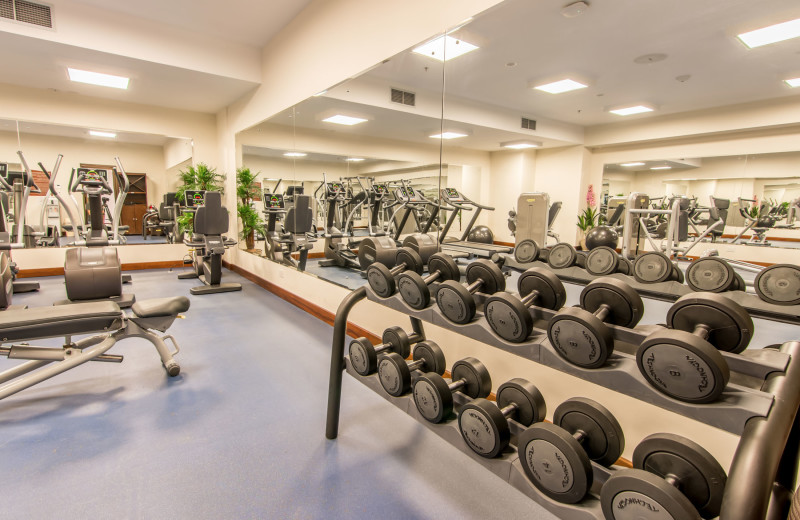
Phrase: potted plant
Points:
(246, 191)
(589, 218)
(199, 177)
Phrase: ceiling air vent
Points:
(26, 12)
(404, 98)
(529, 124)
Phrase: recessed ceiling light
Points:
(632, 164)
(661, 168)
(629, 111)
(557, 87)
(100, 133)
(521, 145)
(793, 82)
(772, 34)
(445, 48)
(339, 119)
(354, 159)
(96, 78)
(448, 135)
(294, 154)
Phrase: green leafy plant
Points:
(186, 222)
(246, 187)
(200, 177)
(588, 219)
(251, 221)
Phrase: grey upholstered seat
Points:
(60, 320)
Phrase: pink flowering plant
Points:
(590, 216)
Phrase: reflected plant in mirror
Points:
(200, 177)
(247, 190)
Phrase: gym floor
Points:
(239, 434)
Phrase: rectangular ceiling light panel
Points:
(445, 48)
(448, 135)
(632, 164)
(339, 119)
(100, 133)
(772, 34)
(793, 82)
(97, 78)
(629, 111)
(558, 87)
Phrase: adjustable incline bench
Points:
(105, 319)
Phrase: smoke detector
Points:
(574, 9)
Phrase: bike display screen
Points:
(274, 201)
(195, 198)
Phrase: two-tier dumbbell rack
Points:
(763, 417)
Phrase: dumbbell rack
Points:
(669, 291)
(763, 417)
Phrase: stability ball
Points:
(481, 234)
(601, 236)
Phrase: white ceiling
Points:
(28, 128)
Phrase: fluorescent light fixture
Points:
(294, 154)
(661, 168)
(772, 34)
(521, 145)
(339, 119)
(557, 87)
(354, 159)
(96, 78)
(629, 111)
(448, 135)
(632, 164)
(100, 133)
(320, 93)
(445, 48)
(795, 82)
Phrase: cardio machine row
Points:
(560, 459)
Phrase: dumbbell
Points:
(381, 278)
(415, 289)
(433, 396)
(603, 261)
(655, 267)
(528, 251)
(563, 255)
(557, 457)
(508, 315)
(779, 284)
(713, 274)
(682, 361)
(484, 425)
(455, 299)
(364, 355)
(673, 477)
(394, 372)
(581, 335)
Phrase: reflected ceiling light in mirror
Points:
(521, 145)
(772, 34)
(448, 135)
(795, 82)
(558, 87)
(320, 93)
(100, 133)
(445, 48)
(631, 110)
(97, 78)
(632, 164)
(340, 119)
(294, 154)
(354, 159)
(661, 168)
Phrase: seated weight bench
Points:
(105, 320)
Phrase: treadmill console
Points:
(409, 195)
(92, 175)
(273, 201)
(380, 190)
(335, 190)
(452, 195)
(195, 198)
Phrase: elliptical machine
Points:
(338, 244)
(207, 242)
(92, 269)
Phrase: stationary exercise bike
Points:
(207, 242)
(296, 235)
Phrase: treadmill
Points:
(457, 200)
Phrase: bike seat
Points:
(161, 307)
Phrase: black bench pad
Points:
(48, 322)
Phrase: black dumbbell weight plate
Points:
(702, 479)
(633, 494)
(730, 326)
(602, 261)
(456, 302)
(710, 274)
(739, 284)
(626, 305)
(779, 284)
(555, 462)
(415, 292)
(526, 251)
(677, 274)
(605, 440)
(434, 399)
(393, 372)
(625, 266)
(652, 267)
(683, 366)
(552, 294)
(398, 339)
(580, 338)
(562, 255)
(381, 280)
(363, 358)
(444, 263)
(486, 270)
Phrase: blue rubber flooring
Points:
(239, 434)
